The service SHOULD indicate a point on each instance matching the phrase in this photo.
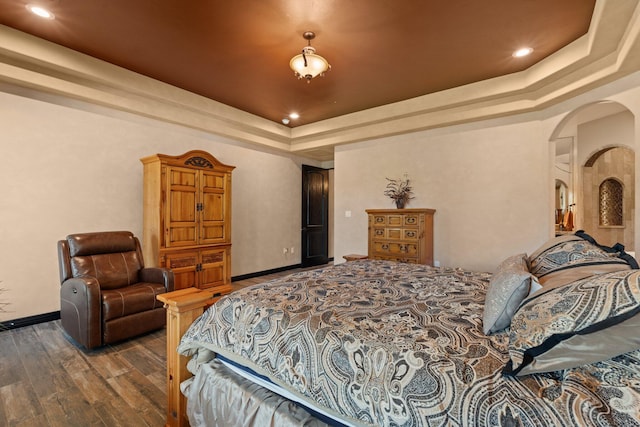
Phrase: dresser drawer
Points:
(408, 260)
(411, 220)
(395, 248)
(391, 220)
(396, 233)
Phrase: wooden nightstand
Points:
(354, 257)
(183, 307)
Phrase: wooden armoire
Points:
(187, 219)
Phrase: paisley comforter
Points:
(390, 344)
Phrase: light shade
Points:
(308, 64)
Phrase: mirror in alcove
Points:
(561, 202)
(563, 185)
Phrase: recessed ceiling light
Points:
(294, 116)
(40, 11)
(285, 121)
(522, 52)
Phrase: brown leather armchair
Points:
(106, 293)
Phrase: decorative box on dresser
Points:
(404, 235)
(187, 219)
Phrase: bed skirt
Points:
(219, 397)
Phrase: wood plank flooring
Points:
(45, 380)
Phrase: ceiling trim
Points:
(591, 61)
(609, 50)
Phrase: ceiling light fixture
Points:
(522, 52)
(294, 116)
(308, 64)
(40, 11)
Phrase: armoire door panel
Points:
(184, 279)
(213, 181)
(212, 217)
(212, 233)
(213, 266)
(184, 266)
(182, 207)
(212, 276)
(213, 207)
(182, 177)
(181, 235)
(212, 224)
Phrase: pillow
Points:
(535, 285)
(509, 285)
(571, 257)
(587, 321)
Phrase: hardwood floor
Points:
(45, 380)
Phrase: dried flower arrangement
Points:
(400, 191)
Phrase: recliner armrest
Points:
(158, 275)
(82, 317)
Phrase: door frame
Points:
(322, 211)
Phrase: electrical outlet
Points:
(436, 263)
(285, 250)
(293, 249)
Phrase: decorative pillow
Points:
(587, 321)
(535, 286)
(508, 287)
(571, 257)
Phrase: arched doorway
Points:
(601, 147)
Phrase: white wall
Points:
(483, 184)
(65, 170)
(594, 135)
(490, 182)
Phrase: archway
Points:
(596, 142)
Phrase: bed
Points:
(549, 339)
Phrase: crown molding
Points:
(610, 50)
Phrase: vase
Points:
(400, 203)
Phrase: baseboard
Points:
(272, 271)
(265, 272)
(30, 320)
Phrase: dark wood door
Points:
(315, 216)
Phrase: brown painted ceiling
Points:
(381, 51)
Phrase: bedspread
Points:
(392, 344)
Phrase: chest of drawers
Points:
(404, 235)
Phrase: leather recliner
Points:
(106, 293)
